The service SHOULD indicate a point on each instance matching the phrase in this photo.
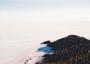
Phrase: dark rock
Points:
(72, 49)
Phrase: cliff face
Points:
(72, 49)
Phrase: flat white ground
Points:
(19, 41)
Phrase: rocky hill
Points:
(72, 49)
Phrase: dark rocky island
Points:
(72, 49)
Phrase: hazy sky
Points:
(43, 4)
(44, 10)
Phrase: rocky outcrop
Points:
(72, 49)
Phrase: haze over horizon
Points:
(44, 10)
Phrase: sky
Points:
(44, 10)
(24, 24)
(41, 4)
